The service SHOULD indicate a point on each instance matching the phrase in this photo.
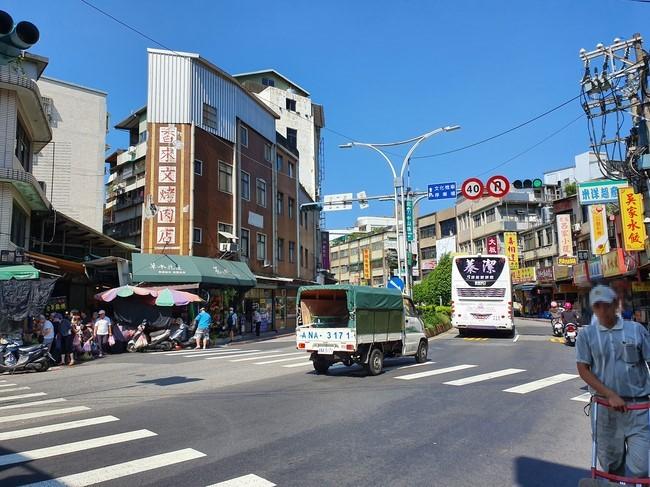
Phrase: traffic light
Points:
(15, 38)
(527, 183)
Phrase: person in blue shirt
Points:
(203, 321)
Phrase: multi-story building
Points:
(347, 257)
(72, 164)
(24, 132)
(432, 228)
(206, 175)
(363, 224)
(585, 168)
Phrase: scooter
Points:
(557, 326)
(156, 341)
(14, 358)
(182, 336)
(570, 334)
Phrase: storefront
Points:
(583, 284)
(620, 269)
(524, 285)
(565, 290)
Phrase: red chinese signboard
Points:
(492, 245)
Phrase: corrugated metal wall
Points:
(180, 85)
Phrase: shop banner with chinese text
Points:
(564, 238)
(598, 229)
(632, 219)
(512, 249)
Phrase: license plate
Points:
(326, 350)
(571, 334)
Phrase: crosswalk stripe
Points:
(268, 356)
(290, 359)
(14, 389)
(429, 373)
(481, 377)
(224, 353)
(413, 365)
(41, 414)
(51, 428)
(33, 403)
(112, 472)
(242, 354)
(6, 385)
(540, 384)
(301, 364)
(22, 396)
(198, 352)
(249, 480)
(83, 445)
(586, 397)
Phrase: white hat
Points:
(602, 294)
(101, 312)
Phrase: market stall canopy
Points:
(164, 297)
(19, 272)
(122, 292)
(173, 297)
(187, 269)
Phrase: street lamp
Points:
(398, 190)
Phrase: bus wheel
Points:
(375, 362)
(462, 332)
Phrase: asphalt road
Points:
(257, 415)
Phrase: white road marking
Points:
(33, 403)
(249, 480)
(540, 384)
(412, 365)
(6, 385)
(22, 396)
(14, 389)
(228, 353)
(586, 397)
(429, 373)
(210, 352)
(112, 472)
(481, 377)
(56, 450)
(41, 414)
(516, 339)
(241, 355)
(51, 428)
(301, 364)
(268, 356)
(198, 352)
(290, 359)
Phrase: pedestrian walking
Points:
(612, 354)
(257, 320)
(65, 337)
(102, 332)
(203, 321)
(231, 323)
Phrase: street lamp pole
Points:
(400, 194)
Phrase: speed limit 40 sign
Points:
(472, 188)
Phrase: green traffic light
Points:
(537, 183)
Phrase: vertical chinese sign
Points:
(325, 249)
(632, 219)
(492, 245)
(598, 229)
(408, 211)
(367, 274)
(564, 237)
(512, 249)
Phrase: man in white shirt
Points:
(102, 331)
(47, 330)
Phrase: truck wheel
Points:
(375, 362)
(321, 366)
(423, 349)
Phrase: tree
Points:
(436, 285)
(570, 189)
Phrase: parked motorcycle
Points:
(570, 334)
(15, 358)
(182, 335)
(145, 341)
(557, 326)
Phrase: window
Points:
(261, 246)
(292, 252)
(243, 135)
(291, 169)
(23, 147)
(244, 242)
(198, 167)
(268, 82)
(529, 241)
(334, 256)
(549, 235)
(223, 227)
(291, 203)
(142, 137)
(210, 116)
(292, 137)
(268, 151)
(225, 177)
(279, 203)
(428, 232)
(490, 215)
(280, 249)
(429, 252)
(18, 225)
(291, 105)
(540, 238)
(198, 235)
(477, 220)
(246, 186)
(302, 264)
(306, 257)
(278, 163)
(261, 192)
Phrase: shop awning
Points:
(190, 269)
(19, 272)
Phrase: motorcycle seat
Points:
(31, 348)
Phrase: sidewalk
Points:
(251, 338)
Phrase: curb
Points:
(256, 339)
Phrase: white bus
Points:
(481, 293)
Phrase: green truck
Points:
(358, 325)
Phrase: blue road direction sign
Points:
(395, 283)
(441, 191)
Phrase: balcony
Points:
(27, 185)
(126, 156)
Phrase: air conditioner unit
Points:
(228, 247)
(577, 227)
(132, 149)
(267, 263)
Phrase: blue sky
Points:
(384, 70)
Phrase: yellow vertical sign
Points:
(512, 249)
(598, 227)
(632, 219)
(367, 274)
